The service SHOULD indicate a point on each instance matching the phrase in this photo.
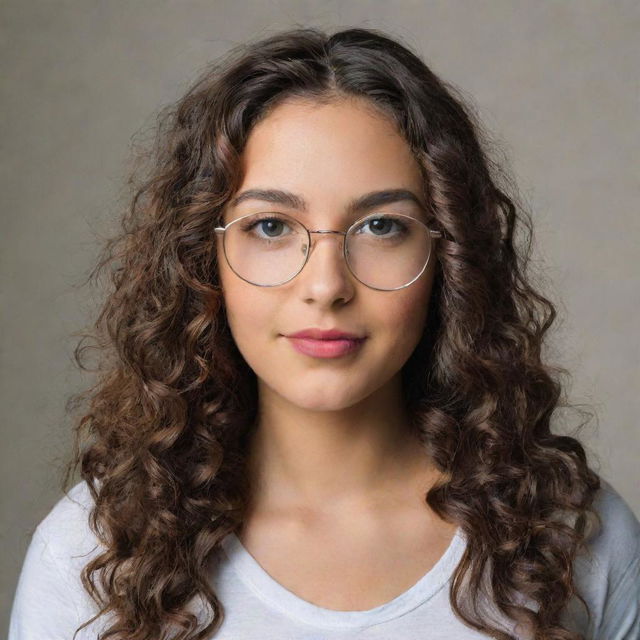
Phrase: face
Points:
(328, 155)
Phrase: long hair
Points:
(162, 434)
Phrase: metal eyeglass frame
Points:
(432, 233)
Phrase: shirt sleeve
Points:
(44, 603)
(621, 616)
(615, 583)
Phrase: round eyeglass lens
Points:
(265, 249)
(388, 251)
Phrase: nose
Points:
(325, 276)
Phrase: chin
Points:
(324, 398)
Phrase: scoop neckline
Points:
(274, 594)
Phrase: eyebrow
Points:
(362, 203)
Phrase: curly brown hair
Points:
(162, 437)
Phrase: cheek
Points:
(246, 313)
(408, 312)
(409, 308)
(251, 314)
(239, 304)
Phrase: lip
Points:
(328, 334)
(327, 348)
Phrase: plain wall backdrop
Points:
(556, 83)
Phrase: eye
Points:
(381, 225)
(269, 224)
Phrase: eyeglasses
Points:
(382, 251)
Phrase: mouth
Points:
(327, 348)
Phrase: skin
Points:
(332, 460)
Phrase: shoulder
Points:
(66, 530)
(50, 600)
(616, 544)
(607, 576)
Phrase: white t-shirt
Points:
(50, 602)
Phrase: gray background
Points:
(556, 83)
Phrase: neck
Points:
(312, 459)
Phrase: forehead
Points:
(306, 156)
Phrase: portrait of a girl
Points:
(322, 409)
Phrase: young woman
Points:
(322, 410)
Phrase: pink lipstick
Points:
(326, 348)
(326, 343)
